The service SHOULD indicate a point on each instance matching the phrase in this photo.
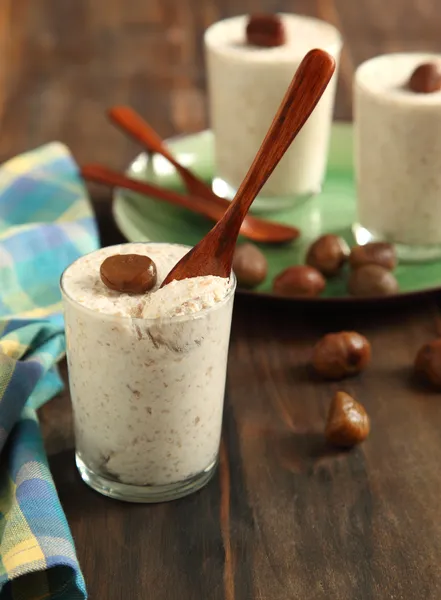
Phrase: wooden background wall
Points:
(62, 62)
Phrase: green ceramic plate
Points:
(140, 218)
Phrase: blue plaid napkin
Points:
(46, 222)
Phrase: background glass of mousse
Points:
(398, 157)
(246, 85)
(147, 394)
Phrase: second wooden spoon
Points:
(133, 124)
(213, 255)
(254, 228)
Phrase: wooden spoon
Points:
(258, 230)
(213, 255)
(133, 124)
(252, 228)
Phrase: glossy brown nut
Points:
(128, 273)
(328, 254)
(426, 79)
(375, 253)
(265, 30)
(370, 281)
(339, 355)
(428, 363)
(299, 281)
(348, 423)
(249, 265)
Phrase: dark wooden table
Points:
(284, 518)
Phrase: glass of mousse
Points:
(397, 122)
(251, 61)
(147, 369)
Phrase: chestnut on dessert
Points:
(426, 79)
(265, 30)
(128, 273)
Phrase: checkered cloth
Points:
(46, 222)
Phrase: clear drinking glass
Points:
(147, 398)
(398, 157)
(246, 85)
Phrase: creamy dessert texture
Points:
(398, 151)
(147, 372)
(247, 84)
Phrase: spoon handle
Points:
(298, 103)
(105, 176)
(134, 125)
(129, 121)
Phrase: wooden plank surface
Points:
(283, 518)
(62, 63)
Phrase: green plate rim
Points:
(119, 199)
